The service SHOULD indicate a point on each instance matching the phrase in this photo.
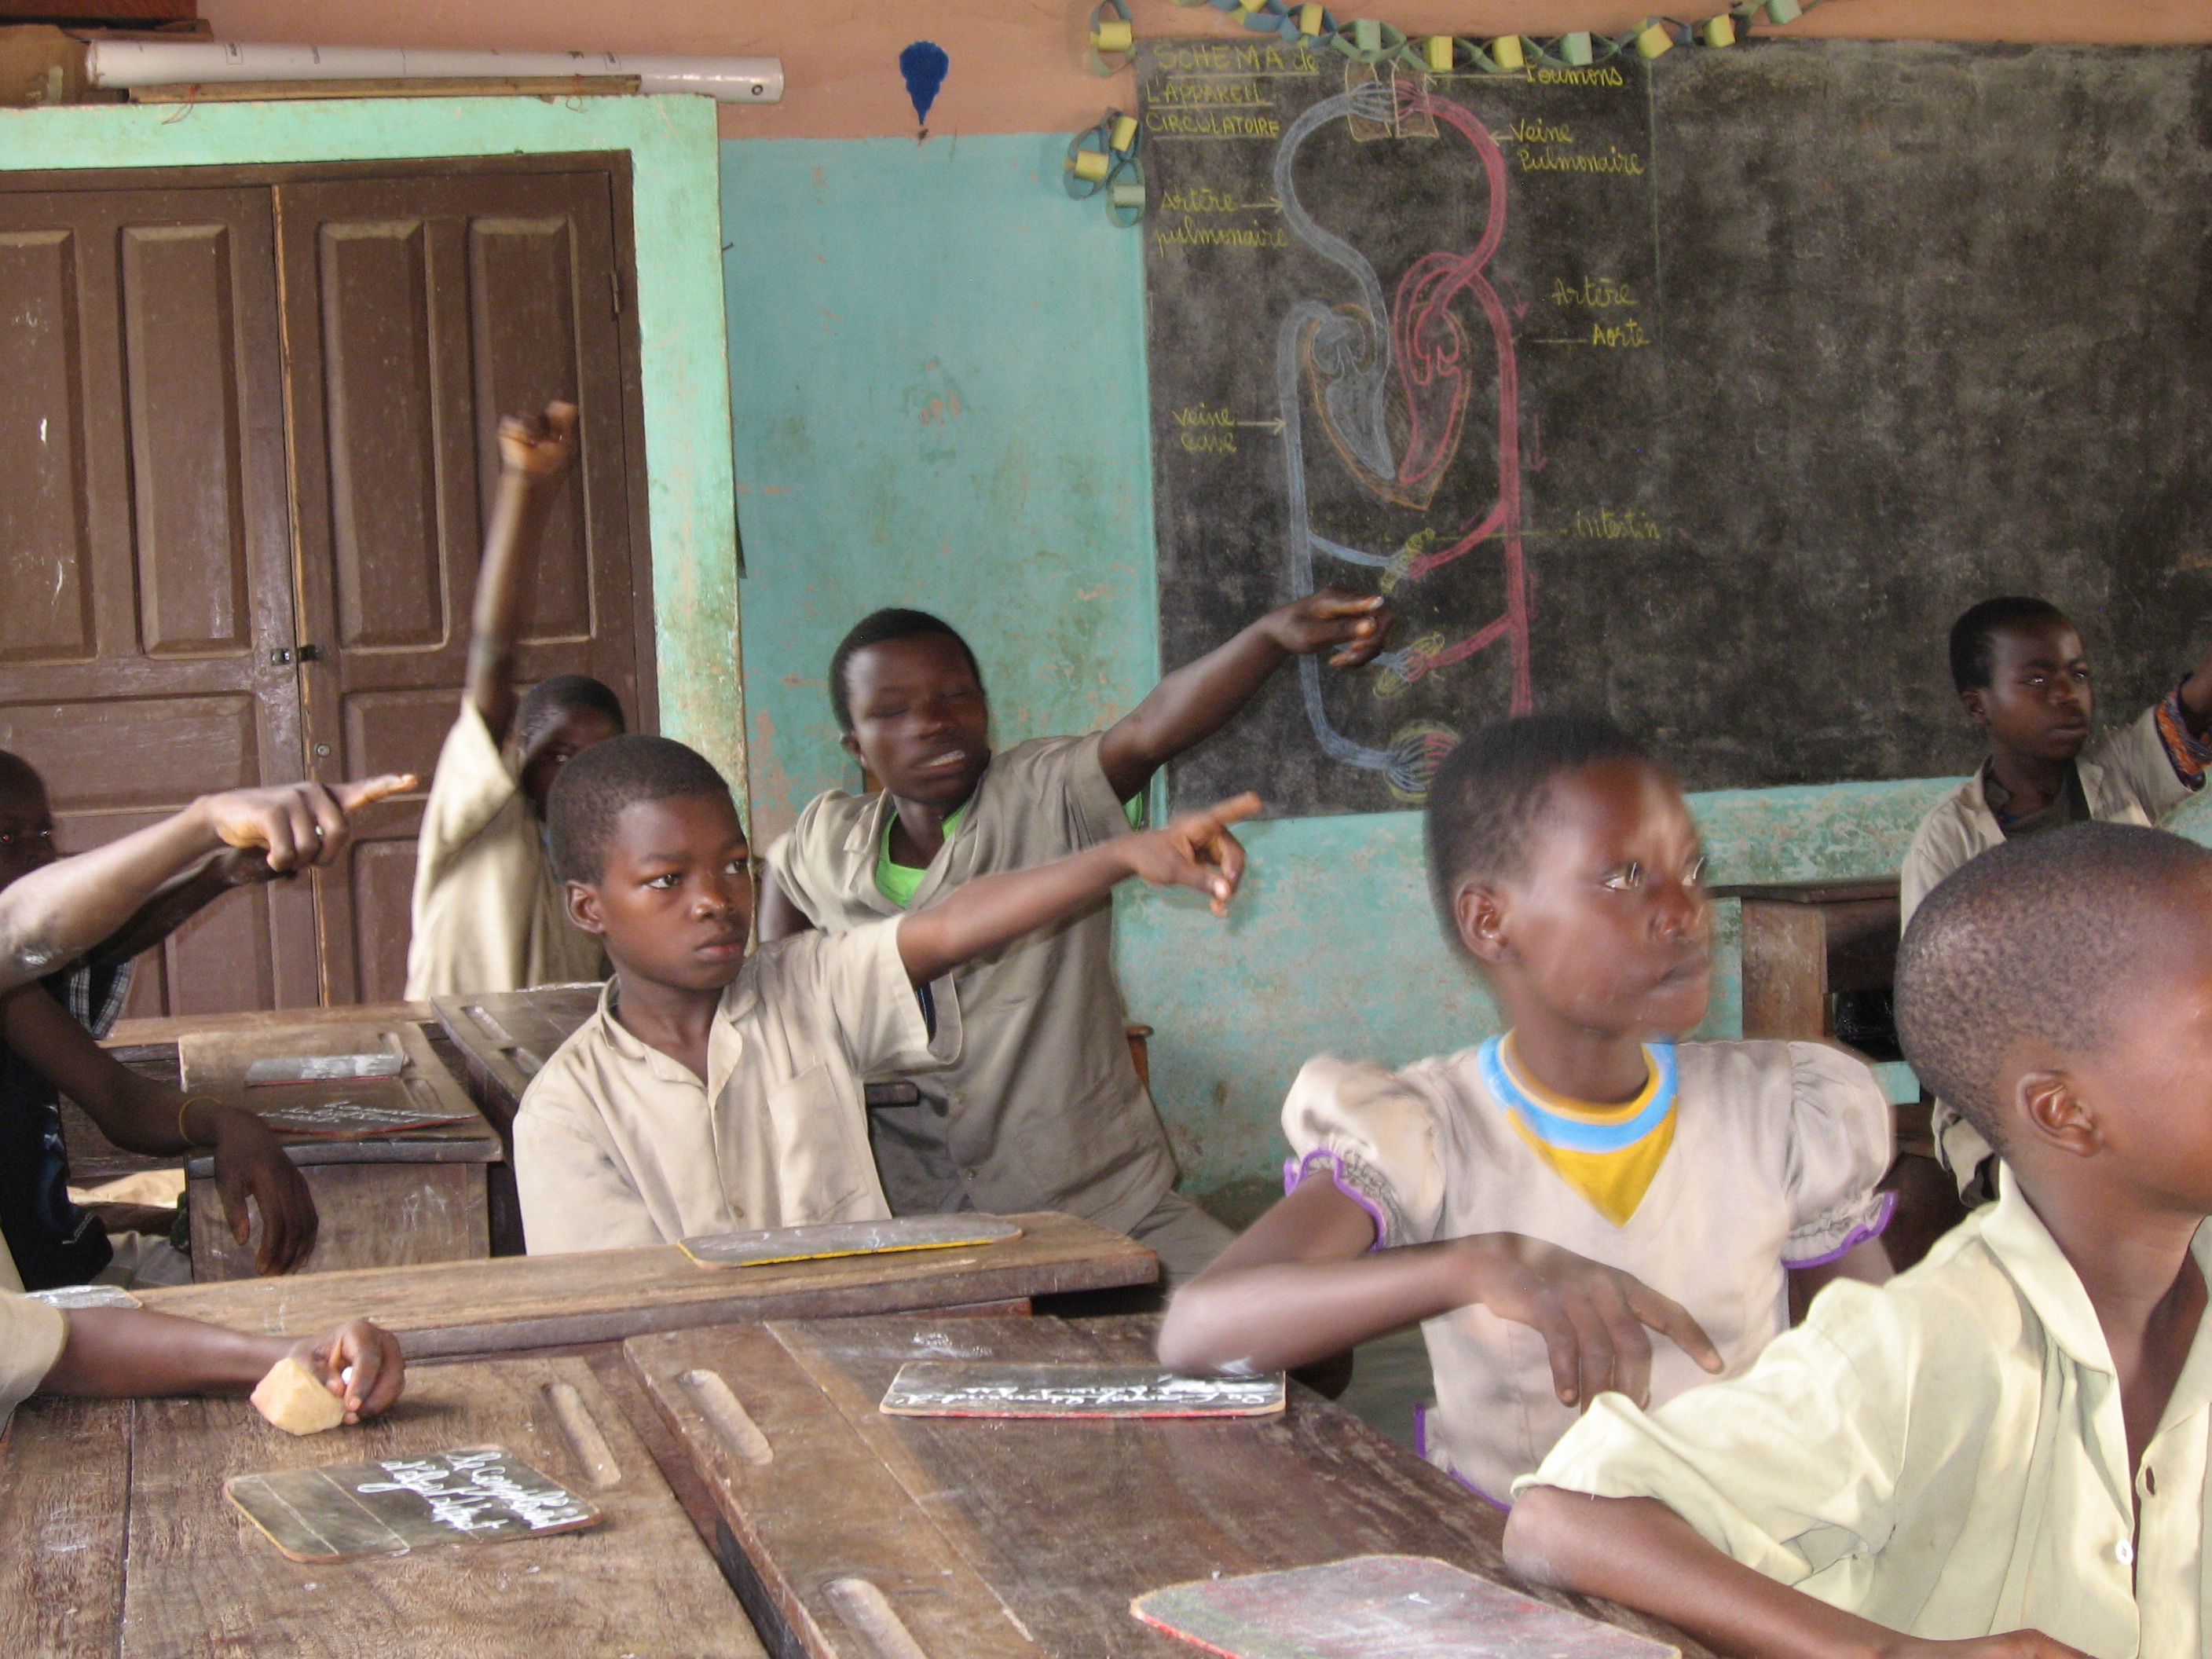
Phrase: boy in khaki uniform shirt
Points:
(2005, 1449)
(488, 914)
(1044, 1108)
(714, 1092)
(2024, 678)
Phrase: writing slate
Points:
(1380, 1606)
(833, 1239)
(955, 1388)
(339, 1512)
(1705, 393)
(355, 1120)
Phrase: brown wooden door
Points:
(416, 312)
(146, 591)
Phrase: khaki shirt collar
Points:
(866, 834)
(725, 1041)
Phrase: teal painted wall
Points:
(683, 373)
(938, 384)
(937, 367)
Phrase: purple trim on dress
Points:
(1295, 1171)
(1421, 1450)
(1857, 1237)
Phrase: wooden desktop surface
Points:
(996, 1539)
(116, 1538)
(541, 1301)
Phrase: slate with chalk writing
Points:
(1705, 393)
(474, 1495)
(353, 1120)
(937, 1388)
(1380, 1606)
(833, 1239)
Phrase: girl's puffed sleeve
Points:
(1841, 1128)
(1374, 1134)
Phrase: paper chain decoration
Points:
(1105, 159)
(1366, 40)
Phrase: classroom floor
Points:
(1389, 1377)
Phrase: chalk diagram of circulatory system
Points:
(1350, 360)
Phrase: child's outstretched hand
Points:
(1352, 622)
(295, 824)
(360, 1364)
(250, 1164)
(539, 446)
(1195, 850)
(1593, 1317)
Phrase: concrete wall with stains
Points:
(938, 390)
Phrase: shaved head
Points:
(20, 782)
(2038, 940)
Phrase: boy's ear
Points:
(2047, 1106)
(851, 746)
(1480, 912)
(584, 906)
(1975, 701)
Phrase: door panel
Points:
(45, 529)
(386, 540)
(417, 311)
(523, 295)
(185, 440)
(145, 544)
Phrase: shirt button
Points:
(2126, 1553)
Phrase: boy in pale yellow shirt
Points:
(487, 913)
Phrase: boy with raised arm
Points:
(1044, 1108)
(2023, 677)
(713, 1092)
(487, 913)
(2003, 1452)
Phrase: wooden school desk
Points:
(855, 1534)
(421, 1196)
(504, 1039)
(1805, 941)
(602, 1295)
(116, 1538)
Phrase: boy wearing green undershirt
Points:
(1044, 1108)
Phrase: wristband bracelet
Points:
(191, 1101)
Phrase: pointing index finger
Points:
(1672, 1320)
(1236, 809)
(362, 792)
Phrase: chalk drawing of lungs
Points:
(1352, 366)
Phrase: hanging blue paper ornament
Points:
(923, 65)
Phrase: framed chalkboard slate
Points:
(1705, 393)
(1381, 1606)
(340, 1511)
(969, 1388)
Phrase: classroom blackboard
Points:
(1703, 393)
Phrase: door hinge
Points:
(614, 286)
(285, 654)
